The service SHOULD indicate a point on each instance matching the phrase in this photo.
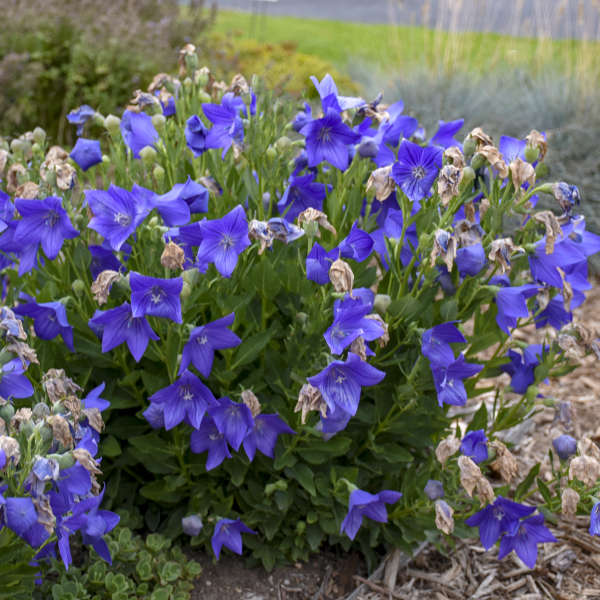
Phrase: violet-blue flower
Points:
(416, 169)
(329, 95)
(19, 515)
(340, 382)
(80, 116)
(227, 122)
(118, 325)
(138, 131)
(474, 445)
(263, 436)
(153, 296)
(444, 136)
(512, 305)
(448, 380)
(565, 446)
(187, 398)
(362, 504)
(511, 148)
(318, 263)
(524, 541)
(302, 118)
(209, 438)
(118, 212)
(327, 139)
(193, 194)
(470, 260)
(358, 244)
(228, 533)
(500, 517)
(435, 342)
(233, 419)
(86, 153)
(434, 489)
(200, 348)
(224, 239)
(349, 324)
(594, 528)
(195, 135)
(301, 193)
(45, 222)
(521, 367)
(13, 382)
(49, 320)
(103, 258)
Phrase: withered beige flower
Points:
(444, 245)
(172, 257)
(94, 418)
(446, 448)
(16, 172)
(501, 251)
(448, 181)
(28, 190)
(553, 229)
(101, 286)
(382, 181)
(23, 415)
(455, 156)
(444, 520)
(58, 386)
(586, 469)
(470, 474)
(11, 448)
(493, 156)
(251, 401)
(312, 215)
(341, 276)
(239, 86)
(60, 430)
(569, 501)
(310, 399)
(536, 140)
(505, 463)
(481, 138)
(521, 172)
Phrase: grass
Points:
(398, 48)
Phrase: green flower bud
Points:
(299, 143)
(186, 290)
(159, 174)
(532, 153)
(159, 121)
(36, 148)
(18, 146)
(148, 155)
(300, 527)
(78, 286)
(381, 303)
(201, 78)
(271, 153)
(469, 146)
(547, 188)
(191, 277)
(113, 125)
(188, 83)
(477, 161)
(40, 410)
(27, 428)
(45, 432)
(7, 412)
(65, 461)
(283, 143)
(153, 222)
(302, 317)
(98, 119)
(39, 135)
(204, 97)
(542, 170)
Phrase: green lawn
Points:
(404, 47)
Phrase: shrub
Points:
(288, 335)
(56, 55)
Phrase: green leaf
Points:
(321, 451)
(479, 420)
(252, 347)
(110, 447)
(393, 453)
(524, 486)
(544, 490)
(302, 473)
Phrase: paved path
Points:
(555, 18)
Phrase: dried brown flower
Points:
(23, 415)
(444, 245)
(586, 469)
(444, 520)
(312, 215)
(3, 160)
(447, 184)
(341, 276)
(310, 399)
(260, 230)
(505, 463)
(16, 172)
(385, 337)
(553, 229)
(481, 138)
(28, 190)
(239, 86)
(251, 401)
(45, 516)
(446, 448)
(172, 257)
(101, 287)
(359, 347)
(493, 156)
(569, 501)
(382, 181)
(470, 474)
(94, 418)
(11, 448)
(501, 251)
(521, 172)
(58, 386)
(536, 140)
(455, 156)
(60, 430)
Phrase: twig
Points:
(320, 594)
(380, 589)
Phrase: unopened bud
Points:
(444, 520)
(7, 412)
(112, 124)
(469, 146)
(192, 525)
(78, 287)
(271, 153)
(204, 97)
(569, 502)
(39, 135)
(105, 159)
(565, 446)
(541, 170)
(434, 489)
(148, 155)
(381, 303)
(186, 290)
(36, 148)
(18, 146)
(188, 83)
(159, 174)
(159, 121)
(532, 153)
(283, 143)
(191, 277)
(65, 461)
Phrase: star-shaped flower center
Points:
(419, 172)
(157, 295)
(122, 220)
(227, 241)
(325, 134)
(51, 219)
(202, 340)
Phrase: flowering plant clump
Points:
(48, 471)
(291, 313)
